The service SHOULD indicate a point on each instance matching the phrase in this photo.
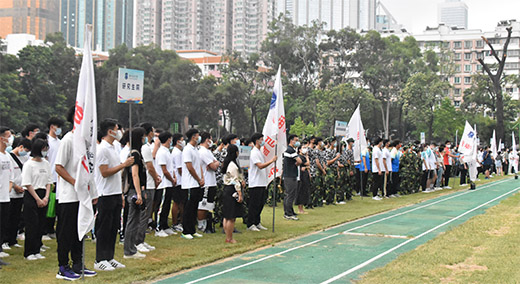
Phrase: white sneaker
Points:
(31, 257)
(149, 247)
(103, 266)
(21, 237)
(5, 246)
(178, 228)
(116, 264)
(45, 247)
(438, 188)
(341, 203)
(161, 234)
(46, 238)
(259, 226)
(3, 254)
(187, 236)
(197, 235)
(392, 196)
(136, 255)
(447, 187)
(377, 198)
(142, 248)
(39, 256)
(17, 246)
(170, 232)
(253, 228)
(464, 184)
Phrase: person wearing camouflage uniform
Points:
(312, 170)
(410, 167)
(331, 178)
(347, 178)
(318, 181)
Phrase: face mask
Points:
(44, 154)
(335, 144)
(182, 143)
(262, 144)
(237, 143)
(118, 135)
(58, 131)
(297, 144)
(22, 153)
(9, 149)
(199, 139)
(210, 143)
(146, 140)
(10, 141)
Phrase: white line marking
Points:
(376, 235)
(337, 234)
(411, 240)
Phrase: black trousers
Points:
(378, 183)
(13, 221)
(424, 179)
(257, 198)
(67, 235)
(108, 221)
(165, 208)
(157, 198)
(35, 218)
(189, 217)
(4, 212)
(361, 182)
(463, 175)
(447, 174)
(395, 185)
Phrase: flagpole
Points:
(83, 259)
(275, 187)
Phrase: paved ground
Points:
(343, 253)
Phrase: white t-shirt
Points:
(37, 174)
(376, 153)
(123, 155)
(163, 157)
(17, 180)
(54, 145)
(65, 192)
(433, 161)
(190, 154)
(207, 158)
(424, 157)
(388, 157)
(257, 176)
(6, 176)
(177, 163)
(146, 151)
(107, 155)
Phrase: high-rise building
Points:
(112, 21)
(250, 24)
(148, 22)
(335, 14)
(36, 17)
(453, 13)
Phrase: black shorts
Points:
(487, 167)
(230, 207)
(212, 192)
(180, 196)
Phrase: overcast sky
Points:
(415, 15)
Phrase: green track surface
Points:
(331, 253)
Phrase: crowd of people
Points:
(149, 180)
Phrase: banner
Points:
(85, 138)
(275, 136)
(468, 141)
(130, 85)
(244, 156)
(356, 131)
(340, 128)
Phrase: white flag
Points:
(357, 132)
(85, 136)
(514, 151)
(468, 141)
(274, 133)
(493, 145)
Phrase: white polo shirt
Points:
(207, 158)
(65, 192)
(6, 176)
(54, 145)
(257, 176)
(377, 153)
(190, 154)
(163, 157)
(177, 164)
(107, 154)
(17, 180)
(146, 151)
(388, 157)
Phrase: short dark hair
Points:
(70, 115)
(107, 124)
(176, 138)
(164, 136)
(55, 121)
(291, 137)
(37, 147)
(318, 140)
(26, 143)
(29, 128)
(378, 140)
(204, 136)
(191, 132)
(257, 136)
(227, 139)
(4, 129)
(40, 135)
(148, 127)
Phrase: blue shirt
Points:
(365, 155)
(396, 157)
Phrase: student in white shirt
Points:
(387, 159)
(152, 181)
(67, 238)
(257, 183)
(193, 182)
(19, 155)
(108, 180)
(37, 181)
(164, 161)
(6, 181)
(55, 129)
(378, 168)
(180, 196)
(209, 166)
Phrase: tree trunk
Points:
(387, 126)
(383, 117)
(401, 122)
(499, 114)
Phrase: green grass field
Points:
(485, 249)
(174, 254)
